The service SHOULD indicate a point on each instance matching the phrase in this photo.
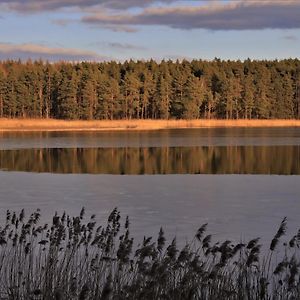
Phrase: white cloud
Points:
(36, 51)
(47, 5)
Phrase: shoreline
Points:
(23, 125)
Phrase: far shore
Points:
(22, 125)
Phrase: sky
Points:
(104, 30)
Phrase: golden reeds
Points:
(113, 125)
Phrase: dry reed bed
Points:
(74, 258)
(64, 125)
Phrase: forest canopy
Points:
(151, 90)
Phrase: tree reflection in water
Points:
(156, 160)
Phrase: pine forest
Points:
(195, 89)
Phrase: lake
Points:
(241, 181)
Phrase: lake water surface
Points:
(241, 181)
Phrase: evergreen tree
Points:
(162, 110)
(109, 98)
(132, 96)
(88, 100)
(180, 77)
(209, 104)
(193, 98)
(47, 91)
(67, 97)
(248, 96)
(2, 92)
(148, 90)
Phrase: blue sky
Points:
(142, 29)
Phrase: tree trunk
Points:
(1, 106)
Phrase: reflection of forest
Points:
(162, 160)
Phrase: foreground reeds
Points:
(75, 259)
(118, 125)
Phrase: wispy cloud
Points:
(48, 5)
(123, 4)
(119, 28)
(36, 51)
(24, 6)
(118, 46)
(215, 15)
(125, 46)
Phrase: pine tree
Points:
(193, 98)
(209, 103)
(2, 92)
(88, 100)
(132, 96)
(162, 110)
(248, 96)
(47, 93)
(67, 96)
(109, 98)
(180, 78)
(263, 86)
(148, 90)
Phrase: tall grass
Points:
(112, 125)
(73, 258)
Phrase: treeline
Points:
(144, 90)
